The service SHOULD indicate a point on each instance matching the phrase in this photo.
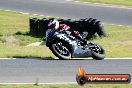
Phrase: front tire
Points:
(98, 53)
(60, 50)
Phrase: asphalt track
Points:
(68, 9)
(57, 71)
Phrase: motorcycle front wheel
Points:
(60, 50)
(98, 53)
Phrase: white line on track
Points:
(7, 58)
(23, 13)
(41, 15)
(104, 58)
(26, 13)
(44, 83)
(35, 14)
(116, 24)
(68, 0)
(103, 5)
(75, 58)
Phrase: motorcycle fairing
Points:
(78, 50)
(81, 52)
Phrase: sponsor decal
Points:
(82, 78)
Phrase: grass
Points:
(69, 86)
(22, 51)
(14, 36)
(115, 2)
(118, 43)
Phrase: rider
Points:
(54, 24)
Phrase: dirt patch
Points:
(125, 43)
(36, 43)
(11, 40)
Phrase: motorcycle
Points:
(68, 47)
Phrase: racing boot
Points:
(83, 42)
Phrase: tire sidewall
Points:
(59, 55)
(98, 56)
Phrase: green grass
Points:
(14, 36)
(118, 43)
(11, 51)
(116, 2)
(69, 86)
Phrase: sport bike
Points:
(68, 47)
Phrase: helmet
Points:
(53, 24)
